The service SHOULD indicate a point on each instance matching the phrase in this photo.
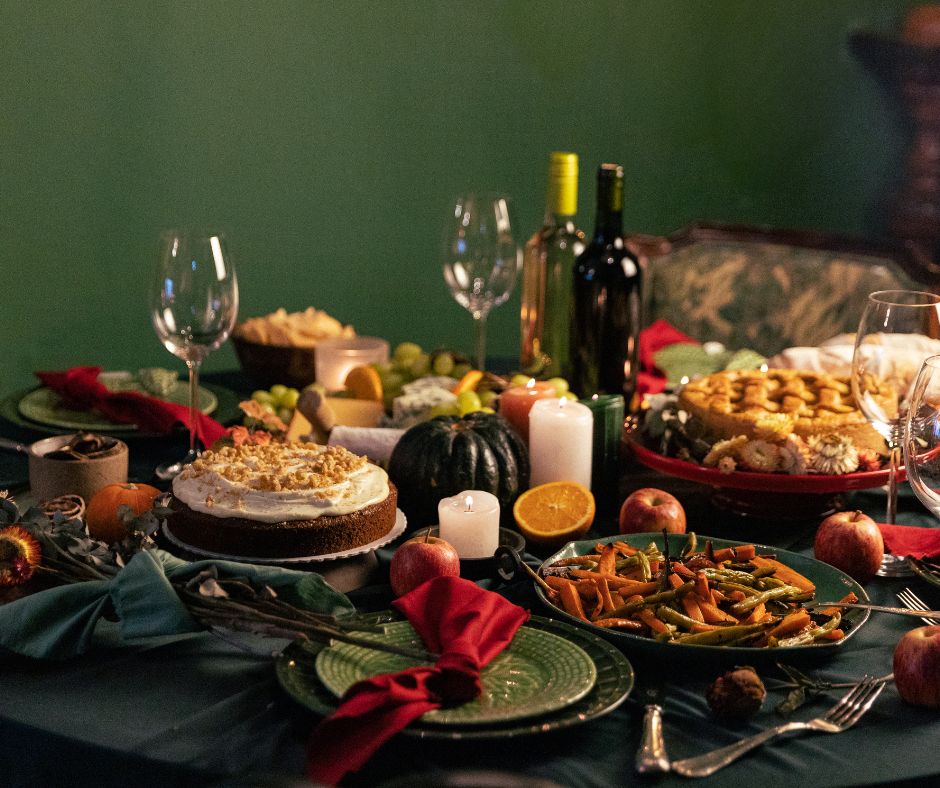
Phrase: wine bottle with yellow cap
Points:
(547, 266)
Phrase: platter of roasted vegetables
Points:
(656, 593)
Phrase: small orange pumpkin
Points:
(101, 515)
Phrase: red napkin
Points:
(81, 389)
(654, 338)
(910, 541)
(467, 625)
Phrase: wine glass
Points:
(194, 302)
(889, 349)
(481, 259)
(922, 436)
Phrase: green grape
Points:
(519, 380)
(383, 367)
(278, 390)
(460, 370)
(487, 398)
(485, 409)
(420, 366)
(289, 400)
(443, 364)
(560, 384)
(468, 401)
(261, 396)
(406, 352)
(569, 395)
(267, 407)
(443, 409)
(393, 381)
(285, 414)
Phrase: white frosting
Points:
(211, 489)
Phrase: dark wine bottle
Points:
(607, 302)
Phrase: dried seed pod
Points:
(737, 694)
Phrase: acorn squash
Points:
(448, 454)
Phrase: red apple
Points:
(917, 667)
(649, 509)
(850, 541)
(419, 559)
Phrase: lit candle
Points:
(333, 358)
(561, 437)
(516, 402)
(470, 522)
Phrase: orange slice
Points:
(468, 382)
(551, 514)
(363, 382)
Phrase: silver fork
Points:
(911, 601)
(839, 718)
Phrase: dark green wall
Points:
(327, 139)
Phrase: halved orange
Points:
(468, 382)
(363, 382)
(554, 513)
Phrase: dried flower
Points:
(727, 464)
(832, 454)
(760, 456)
(726, 448)
(794, 455)
(869, 460)
(20, 554)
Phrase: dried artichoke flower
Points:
(20, 554)
(832, 454)
(794, 455)
(737, 694)
(725, 448)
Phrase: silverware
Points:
(6, 443)
(910, 600)
(899, 611)
(651, 757)
(839, 718)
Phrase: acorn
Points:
(20, 554)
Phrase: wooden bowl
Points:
(266, 365)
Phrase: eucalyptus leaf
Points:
(313, 593)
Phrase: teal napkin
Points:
(60, 622)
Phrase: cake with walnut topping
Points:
(281, 501)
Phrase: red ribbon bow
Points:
(80, 388)
(467, 625)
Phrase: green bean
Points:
(652, 599)
(738, 587)
(670, 615)
(739, 608)
(632, 561)
(645, 567)
(723, 636)
(769, 582)
(803, 638)
(732, 575)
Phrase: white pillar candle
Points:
(470, 522)
(561, 436)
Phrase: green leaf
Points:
(314, 593)
(745, 359)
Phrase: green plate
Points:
(296, 673)
(45, 407)
(536, 674)
(831, 584)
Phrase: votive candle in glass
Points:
(608, 410)
(470, 522)
(516, 402)
(333, 358)
(561, 437)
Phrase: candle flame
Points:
(764, 367)
(684, 379)
(561, 402)
(469, 502)
(530, 384)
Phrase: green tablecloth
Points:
(195, 709)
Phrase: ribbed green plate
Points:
(536, 674)
(45, 407)
(297, 676)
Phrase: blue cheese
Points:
(411, 406)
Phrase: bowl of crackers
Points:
(281, 347)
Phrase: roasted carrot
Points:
(619, 623)
(675, 581)
(572, 601)
(757, 614)
(603, 591)
(701, 585)
(791, 624)
(831, 611)
(607, 565)
(682, 569)
(744, 552)
(783, 572)
(713, 615)
(691, 607)
(832, 634)
(648, 617)
(624, 549)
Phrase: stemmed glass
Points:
(922, 436)
(889, 349)
(481, 259)
(194, 303)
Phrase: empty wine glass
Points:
(922, 436)
(194, 302)
(481, 259)
(889, 350)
